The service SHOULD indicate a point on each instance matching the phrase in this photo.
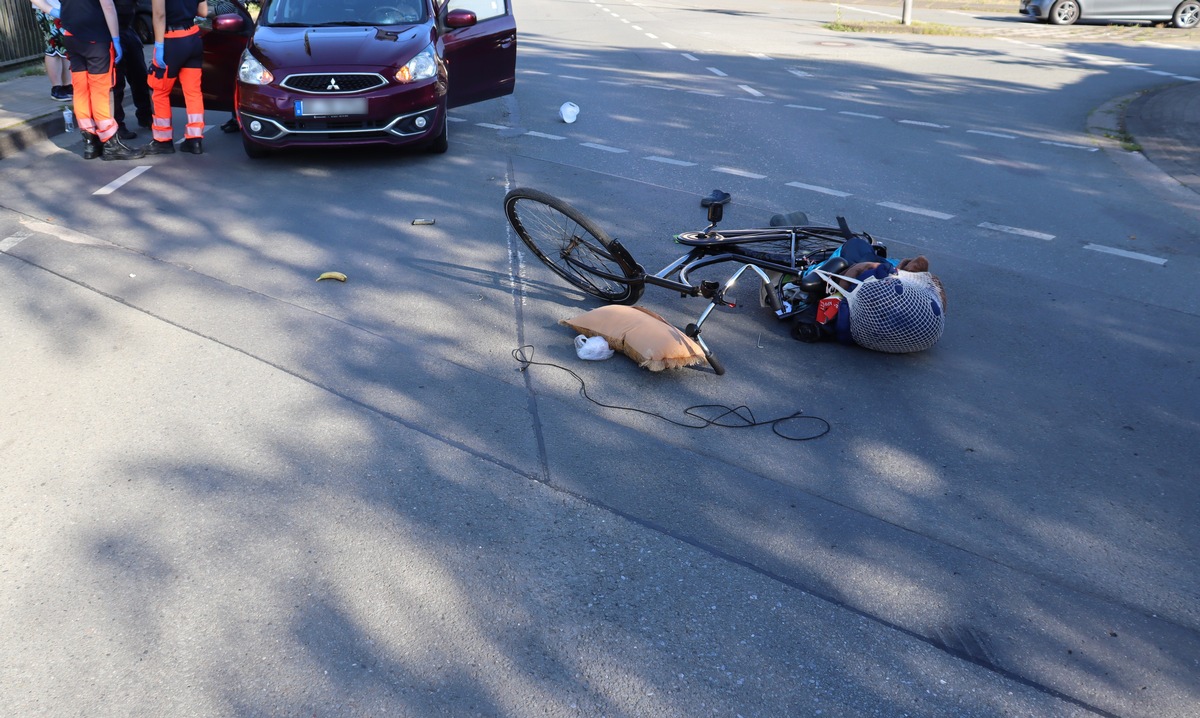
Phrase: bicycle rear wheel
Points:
(573, 246)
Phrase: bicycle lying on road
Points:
(792, 259)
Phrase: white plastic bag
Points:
(568, 112)
(593, 348)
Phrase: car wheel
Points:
(254, 150)
(1187, 15)
(441, 143)
(1064, 12)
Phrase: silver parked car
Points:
(1185, 14)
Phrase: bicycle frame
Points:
(781, 256)
(698, 257)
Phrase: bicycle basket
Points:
(898, 314)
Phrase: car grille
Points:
(333, 125)
(334, 84)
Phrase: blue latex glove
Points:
(117, 50)
(55, 12)
(158, 55)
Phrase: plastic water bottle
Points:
(68, 119)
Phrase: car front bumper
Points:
(1036, 8)
(401, 117)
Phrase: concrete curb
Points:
(1108, 124)
(20, 136)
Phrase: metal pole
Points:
(906, 13)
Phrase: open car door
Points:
(481, 58)
(225, 37)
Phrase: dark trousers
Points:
(132, 69)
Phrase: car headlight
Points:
(421, 67)
(252, 72)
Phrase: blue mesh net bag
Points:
(899, 313)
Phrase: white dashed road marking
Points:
(916, 210)
(1096, 60)
(992, 134)
(490, 126)
(738, 173)
(670, 161)
(1017, 231)
(924, 124)
(606, 148)
(1127, 254)
(815, 188)
(121, 181)
(1069, 146)
(9, 242)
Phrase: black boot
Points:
(115, 149)
(160, 147)
(192, 145)
(125, 133)
(91, 146)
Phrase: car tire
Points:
(1064, 12)
(1187, 15)
(438, 145)
(254, 150)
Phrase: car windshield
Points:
(311, 13)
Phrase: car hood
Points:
(312, 48)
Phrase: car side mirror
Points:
(229, 23)
(460, 18)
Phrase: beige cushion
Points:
(640, 334)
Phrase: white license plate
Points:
(339, 106)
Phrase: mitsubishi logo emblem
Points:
(332, 85)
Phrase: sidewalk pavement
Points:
(1164, 122)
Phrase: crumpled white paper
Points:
(592, 348)
(568, 112)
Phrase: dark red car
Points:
(313, 73)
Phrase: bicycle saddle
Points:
(812, 283)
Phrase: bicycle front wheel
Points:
(573, 246)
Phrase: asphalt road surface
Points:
(232, 490)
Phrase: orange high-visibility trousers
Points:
(91, 83)
(183, 53)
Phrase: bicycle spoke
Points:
(566, 244)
